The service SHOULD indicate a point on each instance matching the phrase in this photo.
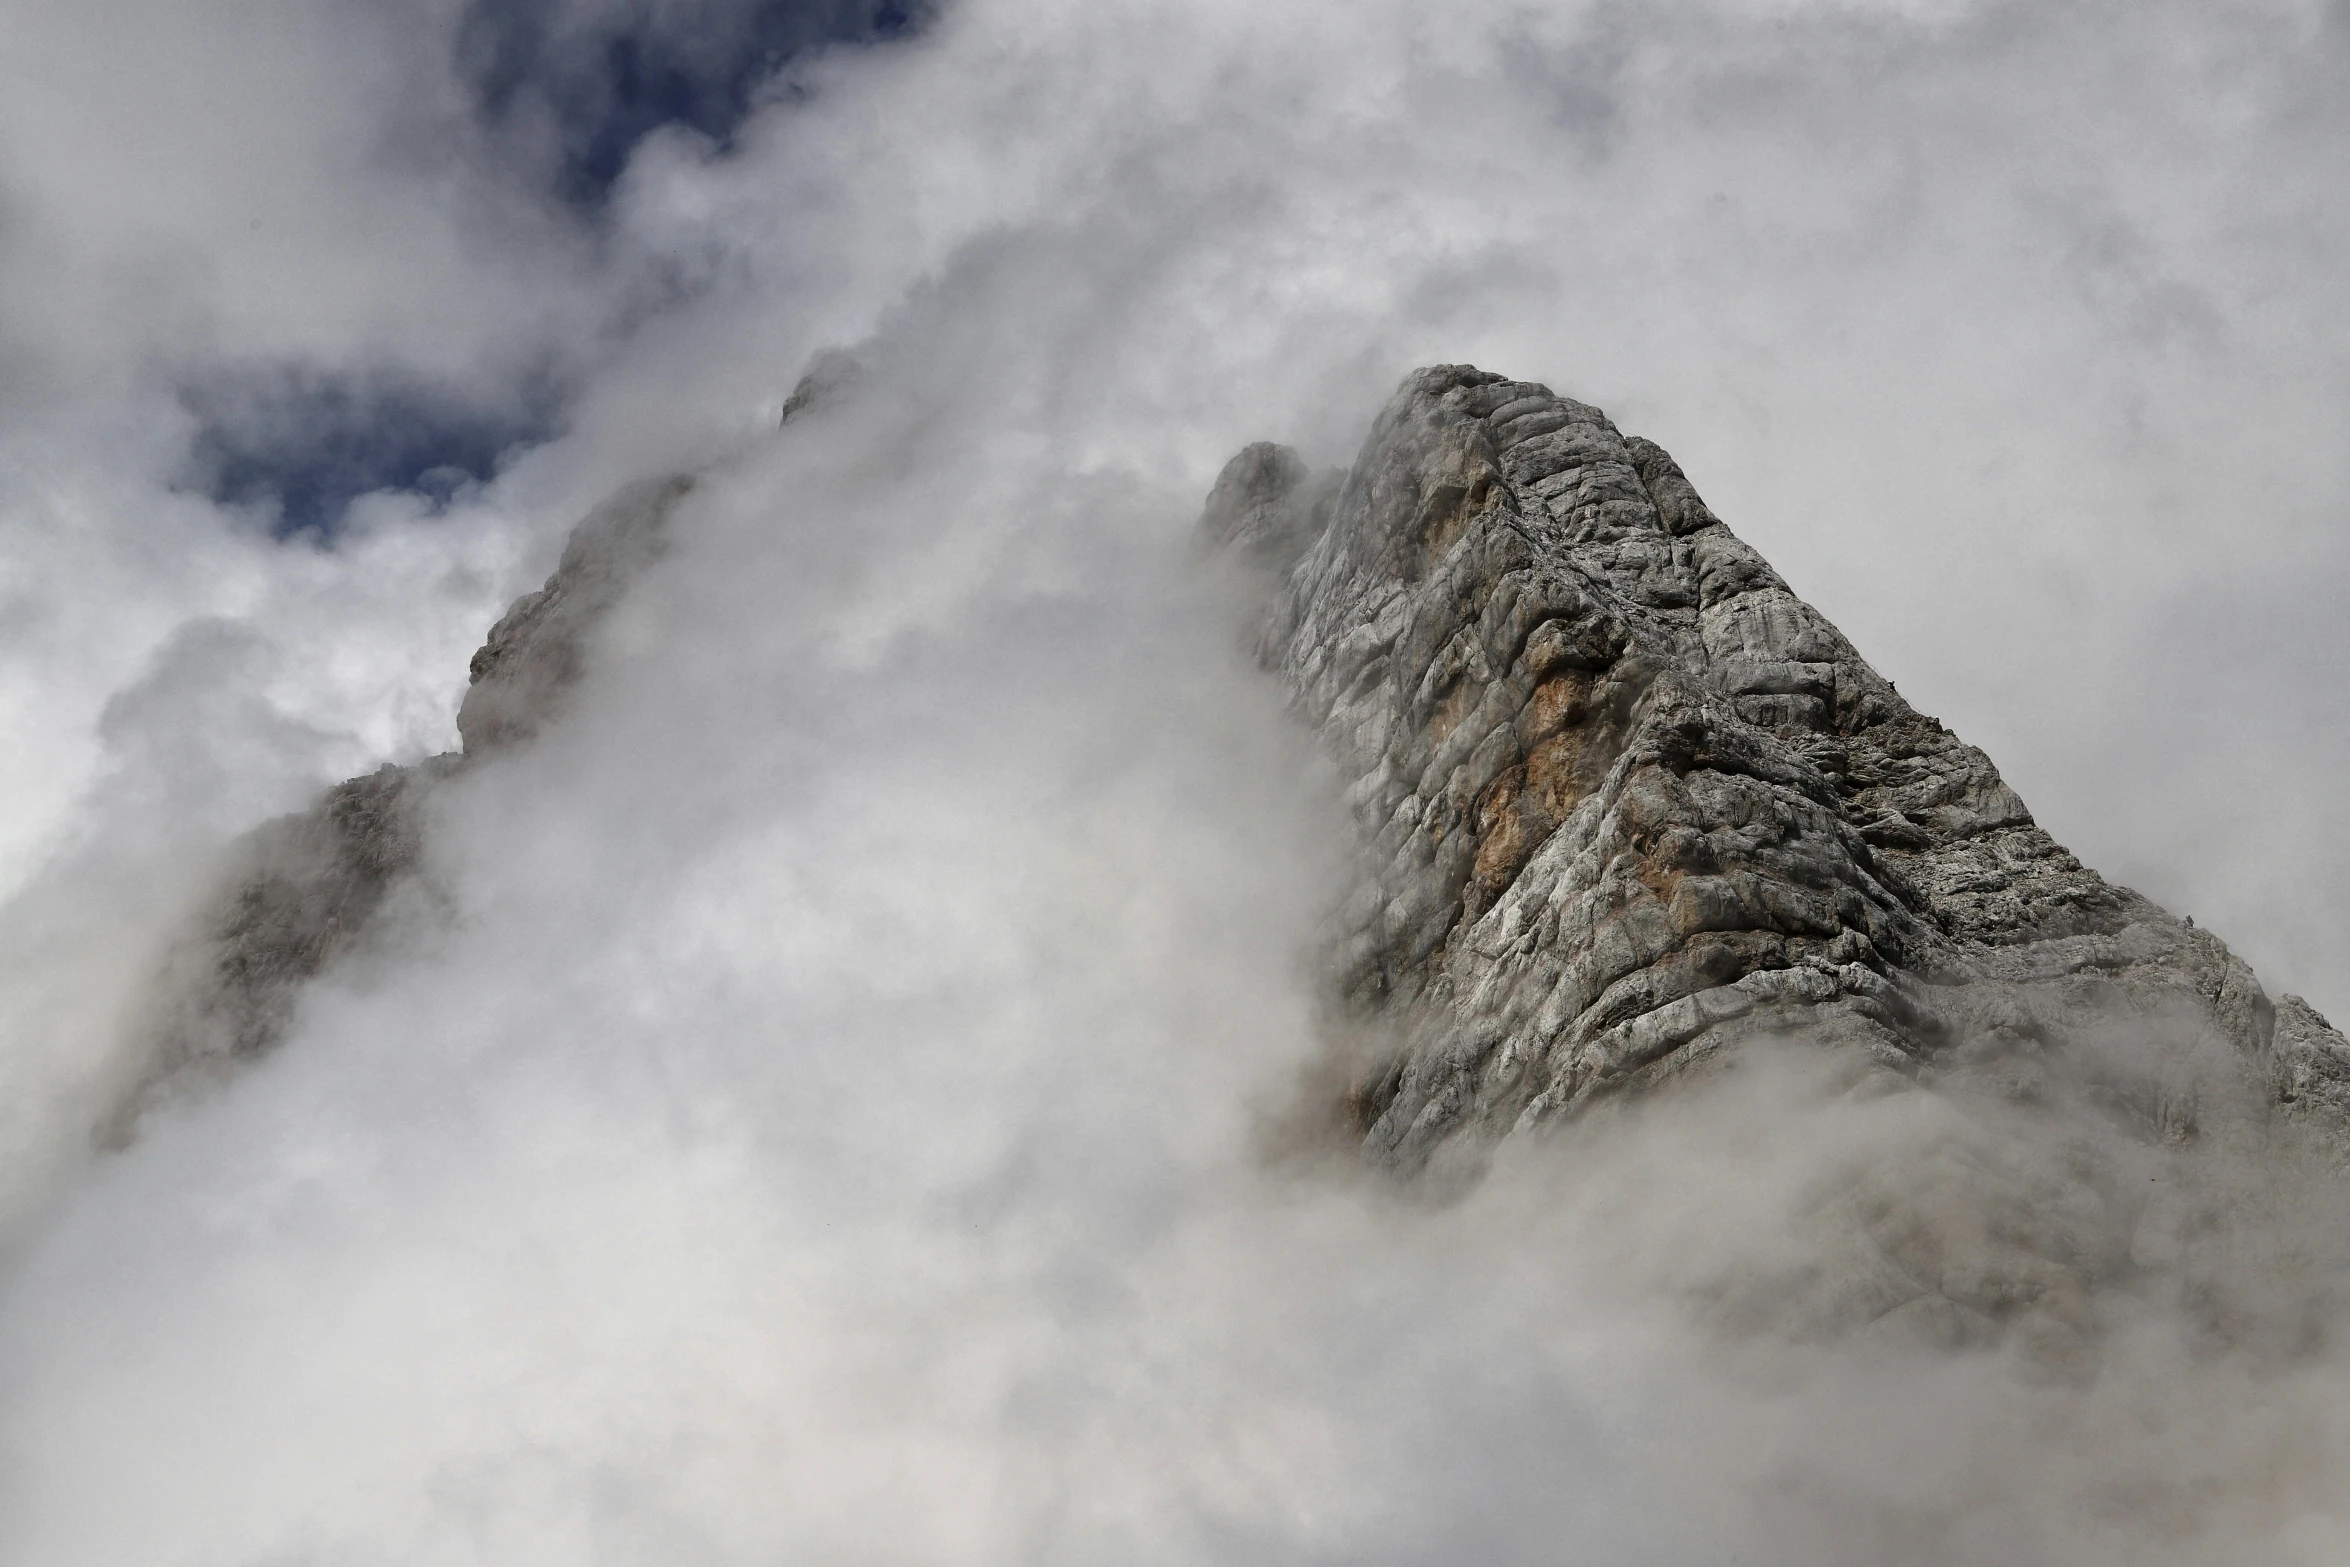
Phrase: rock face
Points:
(302, 889)
(1626, 800)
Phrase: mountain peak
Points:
(1627, 802)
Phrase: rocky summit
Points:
(1626, 801)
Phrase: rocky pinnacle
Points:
(1626, 800)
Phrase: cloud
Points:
(817, 1106)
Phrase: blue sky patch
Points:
(306, 443)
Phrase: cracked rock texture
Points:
(1627, 800)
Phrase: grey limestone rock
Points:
(2312, 1068)
(1268, 509)
(538, 649)
(1626, 800)
(300, 889)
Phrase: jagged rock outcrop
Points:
(538, 649)
(302, 889)
(1626, 800)
(1267, 509)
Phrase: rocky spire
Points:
(1626, 800)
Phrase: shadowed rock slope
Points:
(301, 890)
(1627, 800)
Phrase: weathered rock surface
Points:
(1627, 800)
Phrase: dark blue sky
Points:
(311, 441)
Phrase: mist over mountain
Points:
(693, 876)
